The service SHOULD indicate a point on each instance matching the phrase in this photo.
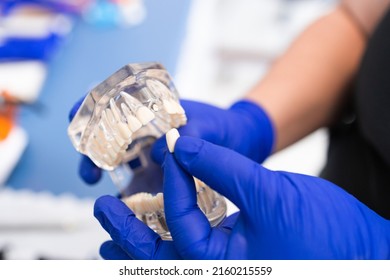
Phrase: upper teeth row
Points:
(113, 132)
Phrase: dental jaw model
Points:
(115, 127)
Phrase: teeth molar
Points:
(155, 203)
(132, 122)
(145, 115)
(136, 202)
(142, 203)
(160, 200)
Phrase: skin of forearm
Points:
(305, 87)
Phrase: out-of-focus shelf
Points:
(11, 149)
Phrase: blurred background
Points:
(52, 52)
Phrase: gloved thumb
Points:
(224, 170)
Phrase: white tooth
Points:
(154, 204)
(122, 132)
(132, 122)
(95, 150)
(110, 150)
(126, 110)
(110, 116)
(169, 107)
(171, 138)
(182, 120)
(115, 110)
(120, 127)
(160, 200)
(105, 131)
(99, 148)
(137, 202)
(100, 135)
(107, 149)
(131, 101)
(116, 141)
(145, 115)
(179, 108)
(106, 122)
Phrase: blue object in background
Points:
(50, 163)
(30, 48)
(62, 6)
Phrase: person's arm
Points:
(305, 87)
(366, 13)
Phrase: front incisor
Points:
(171, 138)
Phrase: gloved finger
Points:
(228, 223)
(132, 235)
(88, 171)
(189, 227)
(75, 108)
(159, 148)
(226, 171)
(195, 127)
(111, 251)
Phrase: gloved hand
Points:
(244, 127)
(282, 215)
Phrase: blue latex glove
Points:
(282, 215)
(244, 127)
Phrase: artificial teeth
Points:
(132, 122)
(145, 115)
(115, 110)
(121, 128)
(171, 138)
(179, 109)
(111, 128)
(169, 107)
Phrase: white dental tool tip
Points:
(145, 115)
(171, 138)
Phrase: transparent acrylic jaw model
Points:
(115, 127)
